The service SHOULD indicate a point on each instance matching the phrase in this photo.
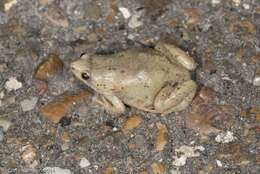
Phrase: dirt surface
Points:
(218, 133)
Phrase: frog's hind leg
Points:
(175, 98)
(111, 103)
(175, 54)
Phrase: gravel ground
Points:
(218, 133)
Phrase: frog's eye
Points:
(85, 76)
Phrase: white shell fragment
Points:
(256, 81)
(135, 20)
(225, 137)
(9, 4)
(56, 170)
(186, 152)
(125, 12)
(13, 84)
(84, 163)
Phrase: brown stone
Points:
(108, 170)
(245, 25)
(131, 123)
(158, 168)
(193, 17)
(143, 172)
(57, 109)
(49, 67)
(161, 136)
(249, 26)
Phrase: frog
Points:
(156, 80)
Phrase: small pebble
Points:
(256, 81)
(3, 67)
(215, 1)
(57, 16)
(161, 136)
(5, 124)
(29, 104)
(56, 170)
(186, 152)
(2, 94)
(246, 6)
(225, 137)
(13, 84)
(131, 123)
(219, 163)
(84, 163)
(49, 67)
(29, 155)
(236, 2)
(135, 20)
(65, 121)
(125, 12)
(1, 135)
(9, 4)
(158, 168)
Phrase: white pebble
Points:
(5, 124)
(186, 152)
(29, 104)
(2, 94)
(135, 20)
(219, 163)
(56, 170)
(84, 163)
(236, 2)
(13, 84)
(246, 6)
(215, 1)
(225, 137)
(256, 81)
(125, 12)
(9, 4)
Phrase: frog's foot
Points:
(175, 54)
(111, 103)
(175, 98)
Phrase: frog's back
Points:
(138, 75)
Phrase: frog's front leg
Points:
(176, 55)
(111, 103)
(175, 98)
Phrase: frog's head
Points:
(81, 69)
(95, 72)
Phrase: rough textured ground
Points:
(222, 36)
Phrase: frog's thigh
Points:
(175, 98)
(176, 54)
(111, 103)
